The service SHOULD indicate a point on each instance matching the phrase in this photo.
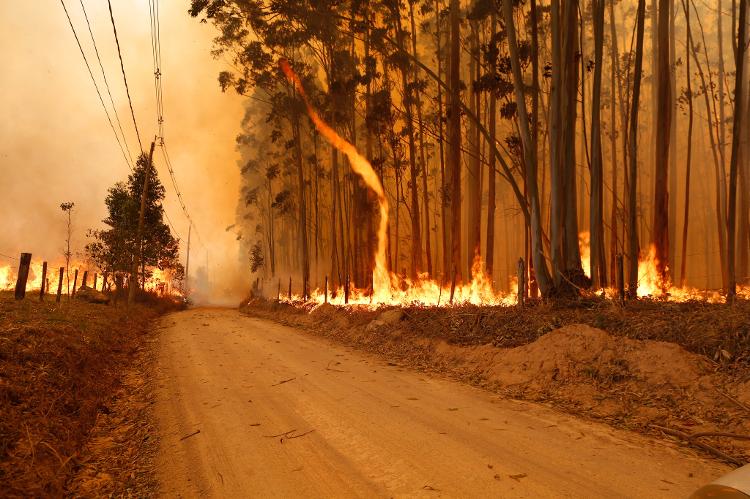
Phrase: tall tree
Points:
(736, 138)
(663, 135)
(633, 248)
(546, 285)
(454, 136)
(598, 263)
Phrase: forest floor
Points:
(672, 370)
(74, 400)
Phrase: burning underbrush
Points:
(163, 282)
(649, 365)
(61, 368)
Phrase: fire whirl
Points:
(390, 289)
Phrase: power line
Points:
(93, 80)
(122, 68)
(106, 83)
(156, 55)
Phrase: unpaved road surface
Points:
(284, 414)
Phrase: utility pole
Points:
(139, 239)
(187, 262)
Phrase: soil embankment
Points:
(630, 376)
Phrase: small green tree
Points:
(114, 248)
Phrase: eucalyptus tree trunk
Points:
(663, 132)
(441, 147)
(454, 136)
(598, 263)
(566, 257)
(633, 249)
(613, 224)
(736, 138)
(489, 256)
(474, 172)
(422, 158)
(689, 158)
(546, 285)
(416, 231)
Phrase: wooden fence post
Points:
(325, 292)
(59, 284)
(620, 277)
(521, 282)
(75, 283)
(23, 275)
(44, 281)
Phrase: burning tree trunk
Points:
(598, 262)
(454, 137)
(688, 162)
(663, 132)
(489, 256)
(474, 172)
(633, 249)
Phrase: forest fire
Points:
(391, 289)
(159, 281)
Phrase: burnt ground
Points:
(73, 403)
(678, 370)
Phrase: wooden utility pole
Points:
(23, 275)
(59, 284)
(44, 281)
(187, 262)
(141, 218)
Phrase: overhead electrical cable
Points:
(159, 94)
(106, 83)
(122, 68)
(93, 80)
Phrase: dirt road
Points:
(281, 413)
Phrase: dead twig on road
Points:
(281, 434)
(691, 440)
(190, 435)
(284, 381)
(732, 399)
(297, 436)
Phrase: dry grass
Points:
(60, 365)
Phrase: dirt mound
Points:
(581, 351)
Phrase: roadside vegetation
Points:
(61, 369)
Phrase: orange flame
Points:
(160, 281)
(390, 289)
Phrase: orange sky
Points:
(56, 144)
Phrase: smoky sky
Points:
(56, 144)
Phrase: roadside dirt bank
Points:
(654, 387)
